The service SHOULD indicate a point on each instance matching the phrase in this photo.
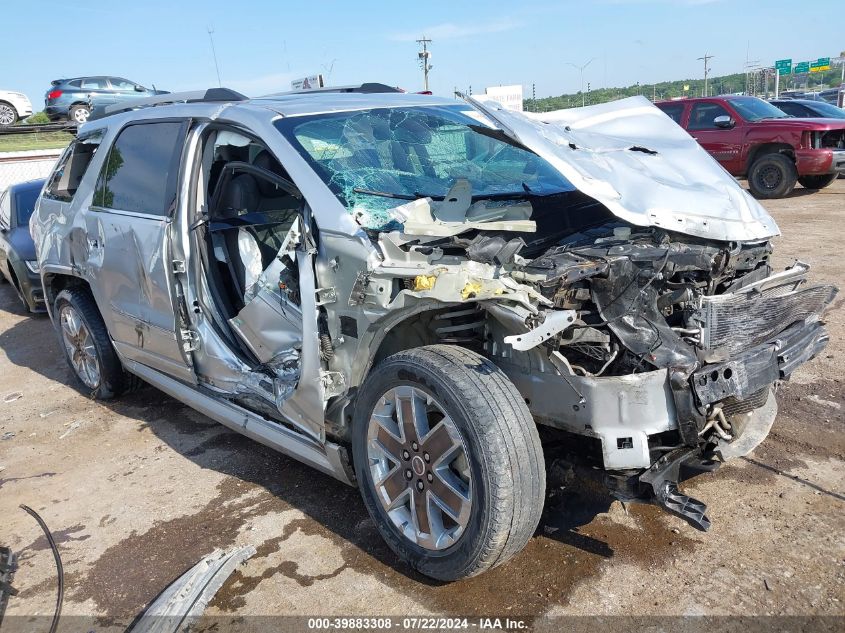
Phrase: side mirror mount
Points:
(724, 122)
(139, 88)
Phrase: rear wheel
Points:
(79, 114)
(449, 461)
(817, 182)
(8, 115)
(772, 176)
(87, 346)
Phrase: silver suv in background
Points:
(401, 291)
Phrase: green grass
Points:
(36, 140)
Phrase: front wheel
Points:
(817, 182)
(449, 461)
(772, 176)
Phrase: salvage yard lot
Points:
(137, 490)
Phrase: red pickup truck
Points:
(752, 138)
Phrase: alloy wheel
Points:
(7, 114)
(80, 115)
(419, 467)
(79, 345)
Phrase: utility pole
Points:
(706, 59)
(581, 70)
(424, 56)
(214, 54)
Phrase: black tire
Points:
(817, 182)
(502, 446)
(79, 114)
(772, 176)
(113, 379)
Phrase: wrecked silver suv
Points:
(403, 291)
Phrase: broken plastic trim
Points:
(185, 600)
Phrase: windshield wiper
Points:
(389, 194)
(502, 195)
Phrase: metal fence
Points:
(18, 167)
(30, 151)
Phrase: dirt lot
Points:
(137, 490)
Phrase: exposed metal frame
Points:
(326, 456)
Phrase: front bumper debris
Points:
(663, 478)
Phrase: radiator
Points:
(757, 313)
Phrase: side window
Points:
(94, 83)
(71, 167)
(674, 111)
(122, 84)
(5, 209)
(702, 115)
(793, 109)
(141, 170)
(75, 84)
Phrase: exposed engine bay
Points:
(654, 351)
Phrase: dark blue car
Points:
(18, 264)
(73, 99)
(808, 109)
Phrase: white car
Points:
(13, 107)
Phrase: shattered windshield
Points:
(375, 160)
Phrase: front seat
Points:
(243, 258)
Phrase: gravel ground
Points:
(137, 490)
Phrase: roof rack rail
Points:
(365, 88)
(211, 95)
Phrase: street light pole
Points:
(581, 70)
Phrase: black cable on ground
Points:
(60, 570)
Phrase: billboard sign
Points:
(307, 83)
(509, 96)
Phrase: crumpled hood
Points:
(643, 167)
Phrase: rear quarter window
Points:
(71, 167)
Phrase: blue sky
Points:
(261, 44)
